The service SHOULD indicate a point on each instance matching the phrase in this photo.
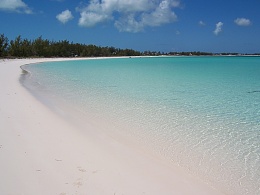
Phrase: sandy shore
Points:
(41, 153)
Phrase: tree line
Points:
(40, 47)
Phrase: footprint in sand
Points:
(78, 183)
(82, 170)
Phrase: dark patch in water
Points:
(257, 91)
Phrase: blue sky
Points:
(156, 25)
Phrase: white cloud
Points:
(15, 6)
(201, 23)
(130, 6)
(129, 24)
(64, 16)
(218, 29)
(176, 3)
(89, 19)
(95, 13)
(161, 15)
(129, 16)
(242, 22)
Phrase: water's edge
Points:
(185, 148)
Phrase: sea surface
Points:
(202, 113)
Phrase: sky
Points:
(154, 25)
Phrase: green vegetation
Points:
(40, 47)
(3, 45)
(193, 53)
(44, 48)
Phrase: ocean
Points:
(201, 113)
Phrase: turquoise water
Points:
(202, 113)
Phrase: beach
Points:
(43, 153)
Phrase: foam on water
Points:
(200, 112)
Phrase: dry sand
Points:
(41, 153)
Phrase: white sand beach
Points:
(42, 153)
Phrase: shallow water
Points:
(202, 113)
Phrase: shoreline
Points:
(42, 153)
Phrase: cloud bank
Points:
(242, 22)
(15, 6)
(64, 16)
(218, 29)
(128, 16)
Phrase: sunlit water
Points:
(202, 113)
